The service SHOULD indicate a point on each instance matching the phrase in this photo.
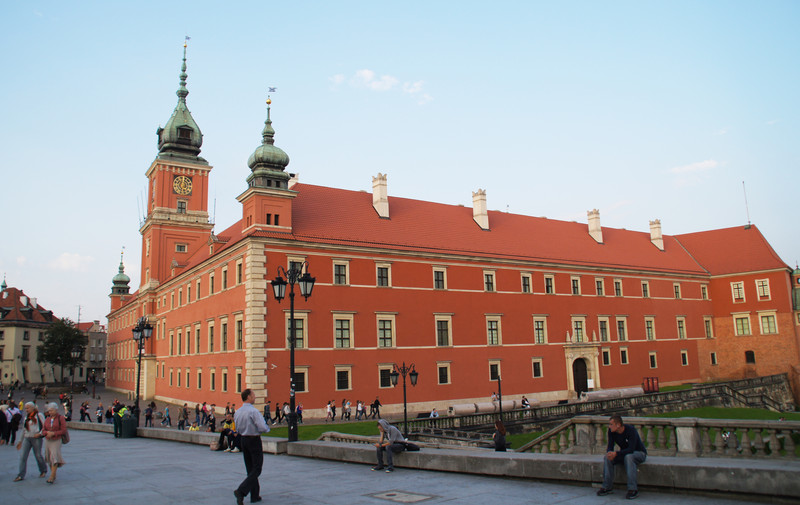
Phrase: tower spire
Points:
(268, 162)
(183, 91)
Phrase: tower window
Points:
(184, 134)
(181, 206)
(277, 220)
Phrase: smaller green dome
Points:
(268, 162)
(120, 281)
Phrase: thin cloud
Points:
(723, 131)
(773, 122)
(700, 166)
(71, 262)
(369, 79)
(21, 260)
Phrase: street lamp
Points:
(75, 353)
(141, 332)
(500, 395)
(404, 370)
(294, 276)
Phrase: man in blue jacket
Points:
(631, 453)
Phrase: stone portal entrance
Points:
(580, 376)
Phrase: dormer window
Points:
(184, 135)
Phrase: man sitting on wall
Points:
(631, 453)
(228, 432)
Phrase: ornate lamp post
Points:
(141, 332)
(75, 353)
(500, 395)
(294, 276)
(412, 373)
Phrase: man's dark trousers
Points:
(253, 461)
(117, 426)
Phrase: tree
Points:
(61, 339)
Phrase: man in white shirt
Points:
(250, 425)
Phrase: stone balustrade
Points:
(686, 436)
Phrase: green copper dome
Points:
(268, 162)
(180, 137)
(120, 281)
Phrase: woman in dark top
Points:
(499, 436)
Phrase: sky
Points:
(643, 110)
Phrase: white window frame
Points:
(343, 368)
(523, 276)
(495, 318)
(680, 327)
(708, 326)
(605, 352)
(389, 368)
(343, 316)
(761, 316)
(443, 271)
(618, 284)
(582, 321)
(601, 282)
(383, 316)
(704, 291)
(492, 274)
(495, 362)
(684, 357)
(449, 319)
(575, 285)
(552, 287)
(443, 364)
(303, 370)
(608, 329)
(297, 315)
(652, 359)
(388, 267)
(534, 361)
(346, 264)
(624, 320)
(746, 317)
(543, 319)
(652, 321)
(762, 290)
(624, 356)
(645, 289)
(676, 290)
(738, 286)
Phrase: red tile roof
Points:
(16, 306)
(732, 250)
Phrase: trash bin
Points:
(129, 426)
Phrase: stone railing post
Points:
(688, 436)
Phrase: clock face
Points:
(182, 185)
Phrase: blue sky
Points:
(643, 110)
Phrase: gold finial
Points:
(269, 101)
(185, 40)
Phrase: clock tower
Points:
(177, 223)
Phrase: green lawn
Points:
(313, 431)
(679, 387)
(732, 413)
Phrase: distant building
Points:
(468, 295)
(23, 324)
(95, 356)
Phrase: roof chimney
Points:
(655, 234)
(594, 225)
(380, 197)
(479, 212)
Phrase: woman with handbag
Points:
(55, 431)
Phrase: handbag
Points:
(65, 436)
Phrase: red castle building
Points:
(467, 295)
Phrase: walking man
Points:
(631, 453)
(250, 425)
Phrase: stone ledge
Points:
(271, 445)
(755, 478)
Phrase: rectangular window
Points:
(576, 285)
(210, 338)
(223, 338)
(623, 356)
(239, 272)
(224, 278)
(750, 357)
(493, 330)
(536, 365)
(342, 380)
(621, 330)
(742, 325)
(197, 340)
(199, 379)
(617, 287)
(238, 382)
(385, 333)
(301, 380)
(677, 289)
(653, 360)
(645, 289)
(577, 329)
(684, 358)
(170, 377)
(224, 381)
(239, 335)
(598, 287)
(704, 292)
(187, 379)
(189, 293)
(708, 328)
(444, 373)
(713, 358)
(197, 292)
(488, 281)
(443, 332)
(649, 328)
(762, 286)
(606, 353)
(181, 206)
(385, 377)
(342, 333)
(340, 274)
(681, 328)
(439, 279)
(768, 325)
(602, 325)
(178, 375)
(299, 332)
(539, 330)
(180, 298)
(211, 284)
(171, 344)
(26, 335)
(213, 385)
(549, 284)
(382, 275)
(526, 283)
(737, 290)
(494, 371)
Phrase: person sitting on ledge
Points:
(631, 453)
(228, 432)
(391, 441)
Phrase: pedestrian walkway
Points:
(101, 470)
